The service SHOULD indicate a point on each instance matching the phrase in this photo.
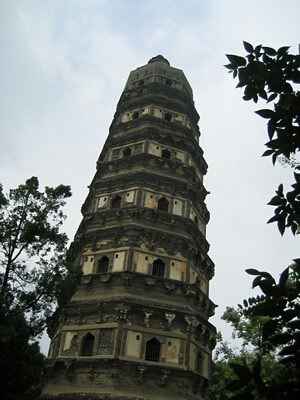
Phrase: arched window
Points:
(116, 202)
(166, 153)
(127, 152)
(163, 204)
(152, 350)
(141, 83)
(103, 265)
(168, 116)
(199, 363)
(158, 268)
(196, 220)
(87, 345)
(135, 115)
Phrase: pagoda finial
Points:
(158, 58)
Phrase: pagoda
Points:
(137, 326)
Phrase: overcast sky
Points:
(63, 66)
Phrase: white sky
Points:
(63, 66)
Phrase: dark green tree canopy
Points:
(32, 249)
(273, 75)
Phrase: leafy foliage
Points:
(280, 335)
(32, 249)
(275, 314)
(21, 362)
(36, 275)
(247, 327)
(232, 370)
(272, 75)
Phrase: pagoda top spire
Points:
(159, 58)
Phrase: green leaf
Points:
(277, 201)
(257, 372)
(280, 189)
(237, 61)
(266, 287)
(281, 225)
(256, 282)
(252, 271)
(257, 51)
(272, 97)
(273, 219)
(266, 308)
(248, 47)
(267, 153)
(287, 350)
(269, 51)
(284, 277)
(283, 50)
(268, 329)
(229, 66)
(281, 338)
(242, 372)
(266, 113)
(235, 385)
(263, 94)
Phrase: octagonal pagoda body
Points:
(137, 326)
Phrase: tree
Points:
(32, 249)
(271, 369)
(21, 362)
(247, 327)
(231, 372)
(272, 76)
(35, 277)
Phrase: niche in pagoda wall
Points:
(88, 264)
(150, 200)
(135, 114)
(141, 262)
(170, 350)
(102, 201)
(177, 207)
(88, 343)
(133, 344)
(198, 277)
(125, 151)
(193, 215)
(177, 270)
(150, 264)
(161, 151)
(119, 261)
(204, 286)
(110, 261)
(199, 360)
(154, 149)
(69, 343)
(191, 163)
(194, 275)
(164, 203)
(179, 155)
(117, 200)
(106, 341)
(129, 196)
(170, 116)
